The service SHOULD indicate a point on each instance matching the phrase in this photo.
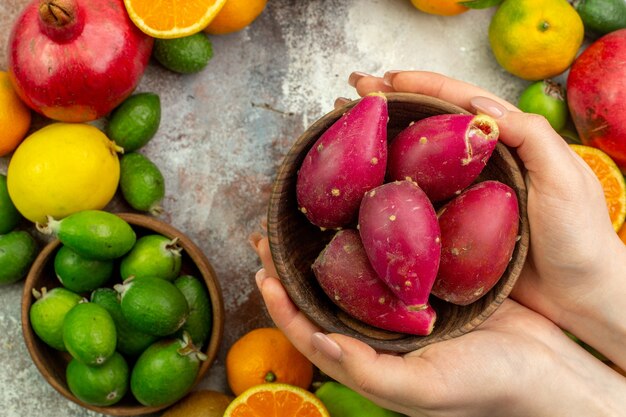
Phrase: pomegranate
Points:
(76, 60)
(596, 95)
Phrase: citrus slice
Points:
(276, 400)
(611, 179)
(167, 19)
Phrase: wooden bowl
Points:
(295, 242)
(52, 363)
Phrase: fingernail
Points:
(254, 240)
(389, 76)
(260, 276)
(488, 107)
(326, 345)
(340, 101)
(355, 77)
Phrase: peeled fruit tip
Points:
(50, 227)
(484, 125)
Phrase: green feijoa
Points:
(89, 333)
(165, 372)
(130, 341)
(134, 122)
(18, 250)
(341, 401)
(185, 55)
(102, 385)
(9, 216)
(601, 16)
(547, 99)
(141, 182)
(198, 323)
(153, 256)
(153, 305)
(48, 312)
(80, 274)
(93, 234)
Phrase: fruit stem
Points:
(270, 376)
(50, 228)
(60, 20)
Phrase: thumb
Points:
(544, 153)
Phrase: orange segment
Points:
(611, 179)
(168, 19)
(276, 400)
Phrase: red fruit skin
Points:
(478, 235)
(348, 159)
(346, 276)
(399, 229)
(82, 71)
(444, 154)
(596, 95)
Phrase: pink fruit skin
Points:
(347, 160)
(399, 229)
(444, 154)
(346, 276)
(81, 71)
(596, 95)
(478, 236)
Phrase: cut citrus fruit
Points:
(167, 19)
(276, 400)
(611, 179)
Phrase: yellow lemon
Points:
(535, 39)
(62, 169)
(440, 7)
(235, 15)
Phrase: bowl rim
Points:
(210, 279)
(280, 257)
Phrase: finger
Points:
(367, 85)
(437, 85)
(262, 247)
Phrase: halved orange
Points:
(167, 19)
(276, 400)
(611, 179)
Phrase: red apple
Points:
(596, 95)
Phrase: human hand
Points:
(576, 261)
(517, 363)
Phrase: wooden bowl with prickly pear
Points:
(391, 280)
(53, 362)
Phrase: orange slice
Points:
(611, 179)
(168, 19)
(276, 400)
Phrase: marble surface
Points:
(225, 130)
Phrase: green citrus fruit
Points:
(48, 312)
(89, 333)
(18, 250)
(601, 16)
(9, 216)
(185, 55)
(198, 323)
(545, 98)
(153, 256)
(130, 341)
(101, 385)
(134, 122)
(142, 183)
(153, 305)
(79, 274)
(93, 234)
(165, 372)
